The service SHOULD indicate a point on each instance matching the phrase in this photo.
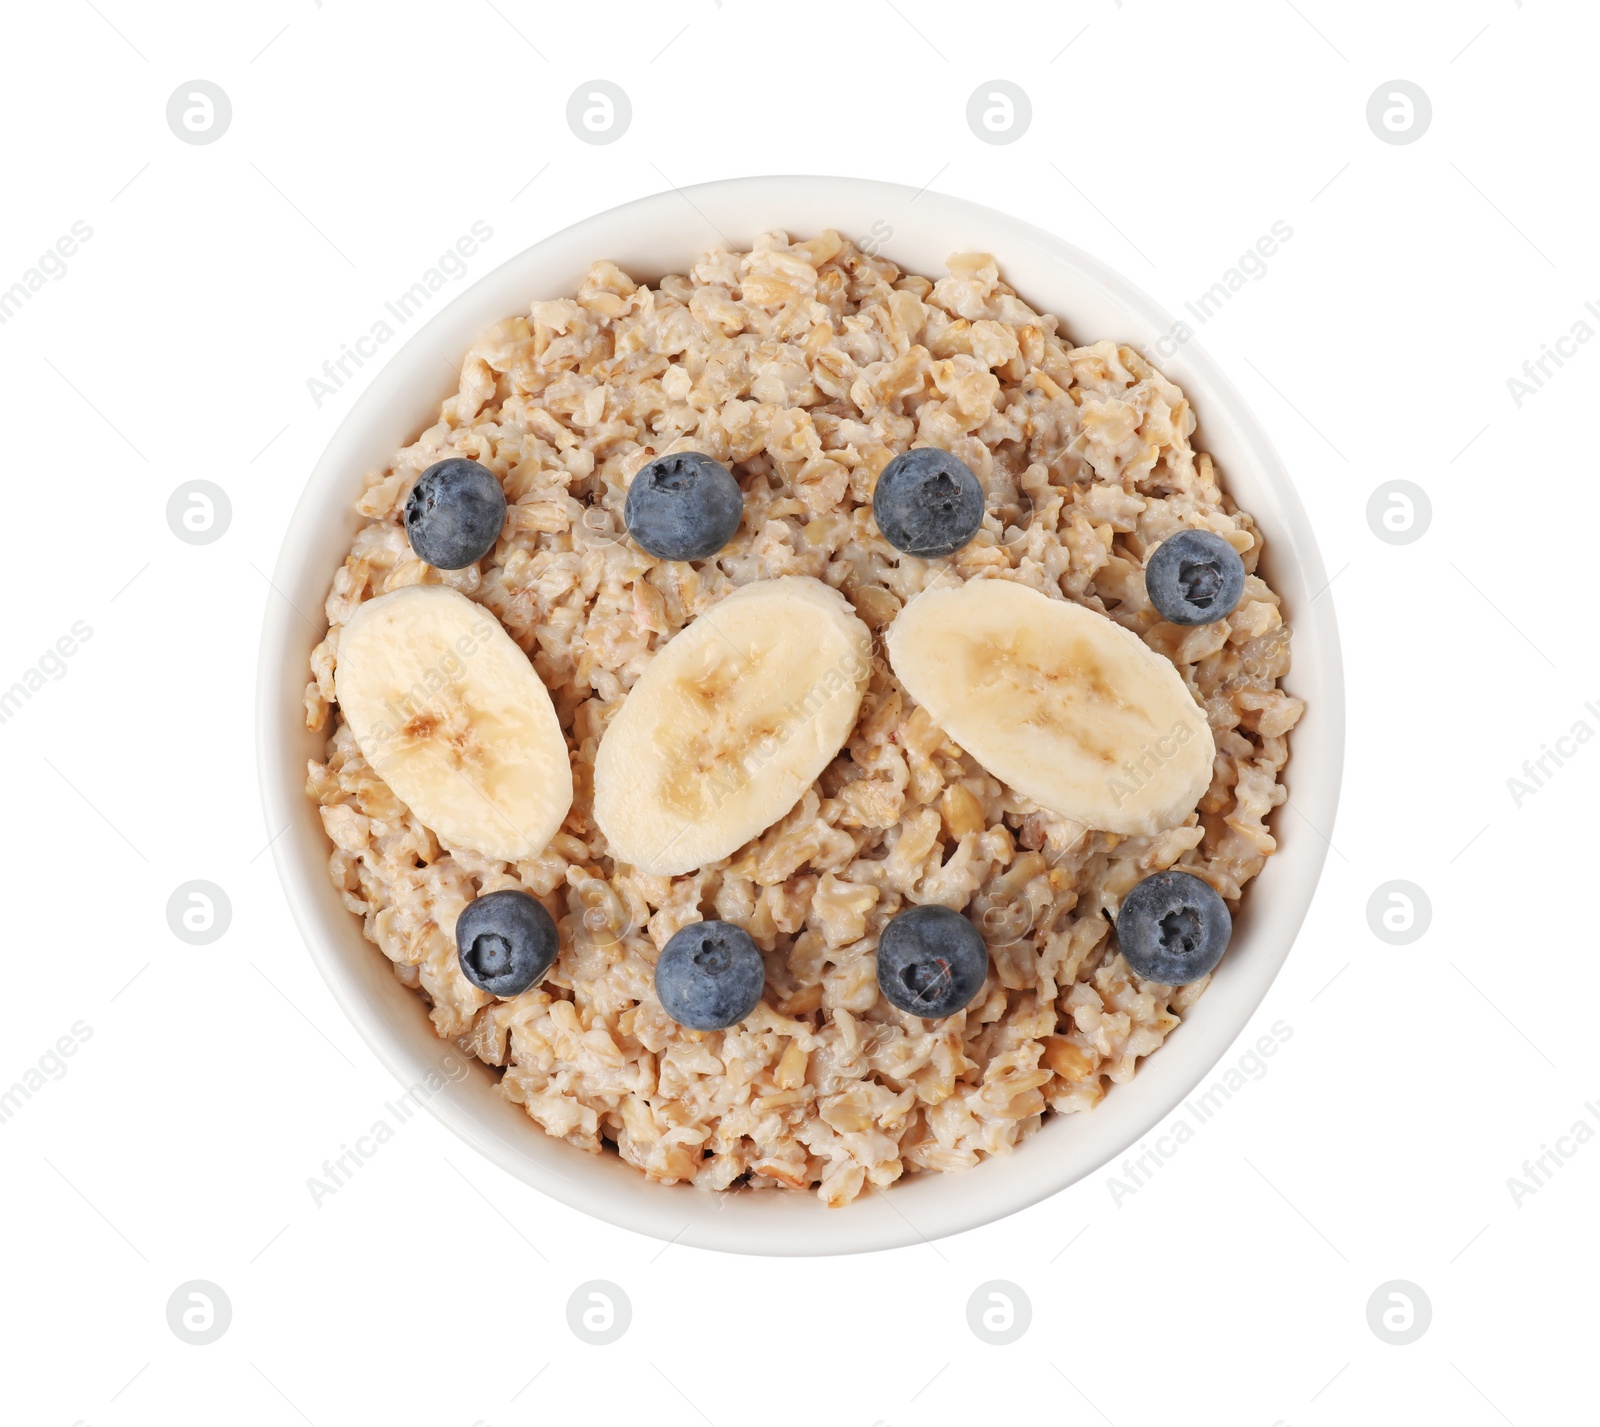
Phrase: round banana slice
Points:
(451, 715)
(731, 722)
(1064, 705)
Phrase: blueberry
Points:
(454, 514)
(931, 961)
(683, 507)
(1194, 577)
(710, 976)
(1173, 928)
(927, 502)
(505, 941)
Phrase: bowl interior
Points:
(649, 238)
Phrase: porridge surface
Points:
(805, 367)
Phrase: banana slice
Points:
(1066, 706)
(451, 715)
(731, 722)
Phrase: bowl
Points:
(649, 238)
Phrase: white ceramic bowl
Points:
(662, 234)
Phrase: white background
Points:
(1166, 138)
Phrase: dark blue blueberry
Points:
(1173, 928)
(683, 507)
(931, 961)
(710, 976)
(454, 514)
(927, 502)
(505, 941)
(1195, 577)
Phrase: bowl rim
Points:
(731, 1222)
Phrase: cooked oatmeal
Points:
(806, 366)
